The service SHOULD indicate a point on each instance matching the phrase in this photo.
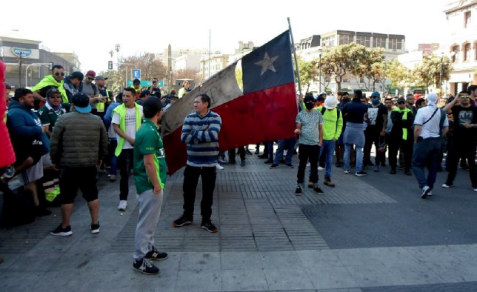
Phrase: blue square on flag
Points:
(268, 66)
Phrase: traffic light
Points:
(110, 65)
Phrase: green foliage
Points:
(429, 72)
(397, 73)
(369, 64)
(309, 72)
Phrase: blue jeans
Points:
(328, 148)
(426, 154)
(270, 150)
(281, 147)
(359, 157)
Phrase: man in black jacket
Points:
(401, 136)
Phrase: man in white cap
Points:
(331, 132)
(430, 125)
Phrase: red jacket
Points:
(7, 156)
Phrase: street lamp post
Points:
(440, 75)
(320, 51)
(117, 48)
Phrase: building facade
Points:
(243, 49)
(35, 62)
(461, 44)
(187, 62)
(217, 62)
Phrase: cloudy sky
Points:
(92, 28)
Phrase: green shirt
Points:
(332, 126)
(48, 116)
(148, 141)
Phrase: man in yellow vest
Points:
(126, 121)
(53, 80)
(102, 104)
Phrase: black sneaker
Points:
(242, 163)
(361, 173)
(274, 166)
(208, 226)
(40, 211)
(155, 255)
(60, 231)
(94, 228)
(425, 192)
(145, 267)
(298, 191)
(289, 165)
(318, 190)
(182, 221)
(269, 161)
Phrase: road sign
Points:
(144, 83)
(136, 73)
(110, 65)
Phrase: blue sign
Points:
(136, 73)
(19, 52)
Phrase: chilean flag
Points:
(264, 111)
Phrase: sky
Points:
(92, 28)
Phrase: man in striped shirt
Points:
(200, 132)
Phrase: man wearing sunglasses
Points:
(463, 144)
(49, 81)
(51, 111)
(91, 90)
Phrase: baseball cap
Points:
(100, 77)
(52, 90)
(136, 81)
(144, 93)
(91, 73)
(401, 100)
(375, 94)
(77, 75)
(81, 103)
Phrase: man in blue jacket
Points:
(29, 141)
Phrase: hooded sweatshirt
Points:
(49, 80)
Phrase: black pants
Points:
(240, 151)
(311, 153)
(372, 137)
(191, 178)
(466, 150)
(125, 161)
(406, 148)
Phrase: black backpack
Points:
(323, 110)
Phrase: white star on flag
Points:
(267, 63)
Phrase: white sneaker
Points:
(346, 172)
(446, 186)
(475, 189)
(320, 168)
(219, 167)
(123, 204)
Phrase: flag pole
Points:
(294, 54)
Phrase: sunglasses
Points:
(55, 96)
(58, 74)
(90, 78)
(401, 102)
(464, 96)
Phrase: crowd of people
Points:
(68, 129)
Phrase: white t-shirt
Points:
(430, 129)
(130, 125)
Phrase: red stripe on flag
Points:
(260, 116)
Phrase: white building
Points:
(217, 62)
(244, 49)
(186, 62)
(461, 44)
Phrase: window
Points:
(329, 41)
(379, 42)
(467, 19)
(363, 40)
(345, 39)
(455, 54)
(395, 44)
(467, 52)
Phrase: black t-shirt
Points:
(355, 111)
(462, 116)
(375, 116)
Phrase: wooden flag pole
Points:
(296, 60)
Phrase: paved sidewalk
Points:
(269, 240)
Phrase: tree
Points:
(309, 72)
(341, 60)
(369, 66)
(433, 70)
(398, 74)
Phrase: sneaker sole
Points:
(144, 272)
(95, 231)
(320, 193)
(360, 175)
(425, 194)
(62, 234)
(181, 225)
(208, 230)
(156, 259)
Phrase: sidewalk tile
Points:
(200, 261)
(453, 272)
(356, 257)
(28, 263)
(198, 280)
(244, 280)
(373, 276)
(331, 277)
(414, 274)
(240, 260)
(20, 281)
(288, 279)
(318, 258)
(280, 260)
(432, 254)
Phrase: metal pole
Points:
(294, 54)
(320, 73)
(20, 70)
(440, 78)
(26, 75)
(209, 49)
